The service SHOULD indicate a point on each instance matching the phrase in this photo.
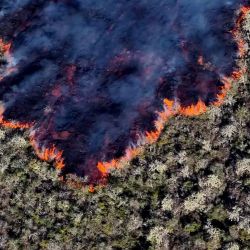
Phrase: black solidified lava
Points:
(90, 75)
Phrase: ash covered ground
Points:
(90, 75)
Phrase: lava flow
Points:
(94, 81)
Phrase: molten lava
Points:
(94, 81)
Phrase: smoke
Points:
(90, 75)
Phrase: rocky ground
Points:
(190, 190)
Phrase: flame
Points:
(244, 11)
(172, 107)
(49, 154)
(236, 75)
(105, 167)
(14, 125)
(168, 103)
(91, 188)
(194, 109)
(152, 136)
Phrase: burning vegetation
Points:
(94, 85)
(187, 190)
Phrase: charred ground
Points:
(88, 77)
(188, 191)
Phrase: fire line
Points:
(92, 98)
